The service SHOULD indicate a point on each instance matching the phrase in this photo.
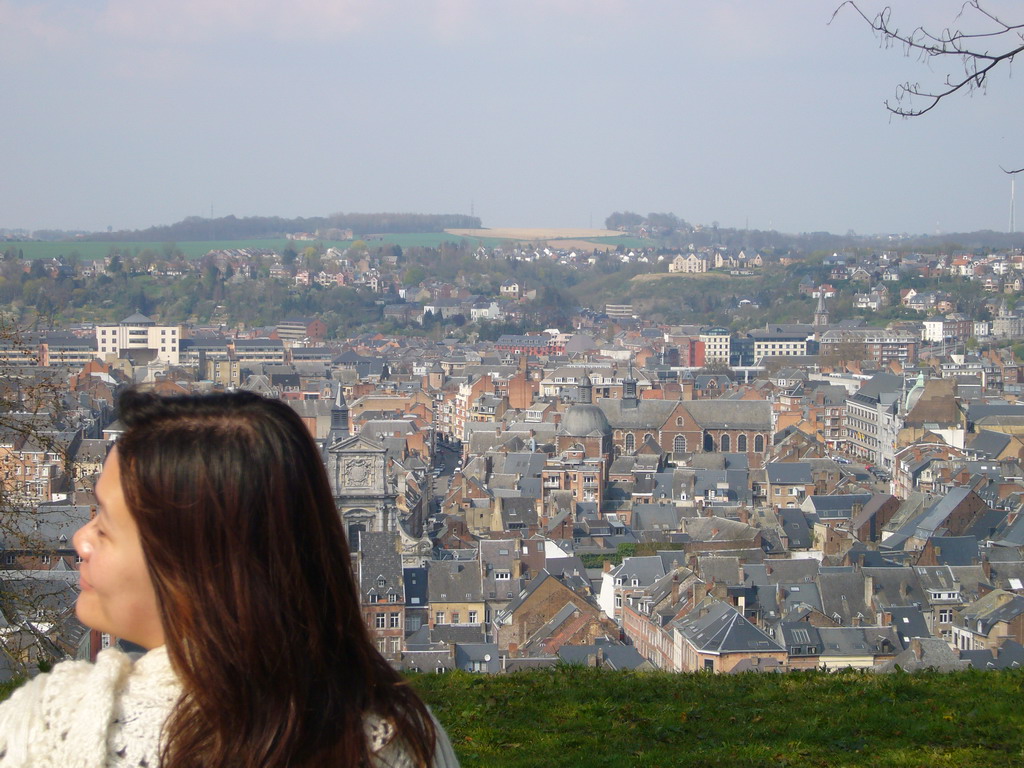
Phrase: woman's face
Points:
(117, 593)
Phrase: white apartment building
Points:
(717, 344)
(139, 332)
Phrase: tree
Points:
(968, 56)
(35, 432)
(624, 220)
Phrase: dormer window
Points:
(381, 581)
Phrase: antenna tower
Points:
(1013, 189)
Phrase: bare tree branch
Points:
(978, 53)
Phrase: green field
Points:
(575, 717)
(90, 251)
(571, 717)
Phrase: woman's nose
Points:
(81, 542)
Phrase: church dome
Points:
(584, 420)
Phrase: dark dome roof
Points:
(583, 420)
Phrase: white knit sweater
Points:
(111, 713)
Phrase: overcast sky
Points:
(529, 113)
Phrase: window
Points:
(381, 581)
(45, 559)
(741, 443)
(374, 597)
(759, 444)
(378, 621)
(726, 444)
(396, 645)
(9, 559)
(439, 617)
(630, 443)
(472, 617)
(945, 615)
(502, 575)
(679, 444)
(455, 617)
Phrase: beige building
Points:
(139, 333)
(717, 344)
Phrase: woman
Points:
(217, 545)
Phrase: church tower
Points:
(586, 390)
(339, 418)
(821, 318)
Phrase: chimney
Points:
(606, 566)
(869, 591)
(915, 646)
(675, 588)
(700, 591)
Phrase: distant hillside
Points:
(232, 228)
(574, 717)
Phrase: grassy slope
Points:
(581, 717)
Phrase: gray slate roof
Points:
(716, 627)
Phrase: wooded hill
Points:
(232, 228)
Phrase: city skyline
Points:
(537, 115)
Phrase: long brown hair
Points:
(259, 604)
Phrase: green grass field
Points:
(90, 251)
(583, 717)
(572, 717)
